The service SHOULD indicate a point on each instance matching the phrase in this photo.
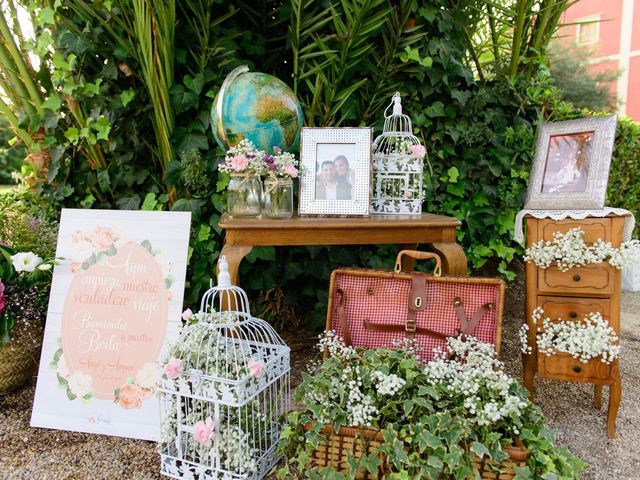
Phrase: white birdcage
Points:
(225, 388)
(398, 162)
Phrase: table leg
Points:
(234, 255)
(454, 261)
(597, 395)
(529, 368)
(615, 392)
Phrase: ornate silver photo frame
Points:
(335, 174)
(571, 164)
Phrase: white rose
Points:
(147, 376)
(80, 383)
(63, 370)
(82, 251)
(25, 261)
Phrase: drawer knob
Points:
(576, 278)
(577, 369)
(573, 314)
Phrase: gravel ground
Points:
(29, 453)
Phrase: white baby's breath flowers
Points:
(388, 385)
(591, 338)
(524, 340)
(476, 375)
(334, 345)
(569, 250)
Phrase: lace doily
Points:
(629, 221)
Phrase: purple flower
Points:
(277, 150)
(269, 160)
(272, 167)
(251, 154)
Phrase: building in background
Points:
(614, 35)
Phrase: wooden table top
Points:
(429, 220)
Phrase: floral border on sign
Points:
(94, 246)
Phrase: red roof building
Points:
(614, 34)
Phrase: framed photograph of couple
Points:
(335, 171)
(571, 164)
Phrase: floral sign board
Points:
(115, 304)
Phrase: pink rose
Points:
(408, 194)
(130, 397)
(256, 367)
(104, 238)
(291, 171)
(3, 299)
(239, 163)
(173, 368)
(186, 315)
(203, 432)
(418, 151)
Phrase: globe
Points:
(257, 107)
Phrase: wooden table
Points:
(438, 231)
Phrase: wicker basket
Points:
(348, 441)
(355, 441)
(17, 365)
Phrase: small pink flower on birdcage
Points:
(186, 315)
(173, 368)
(418, 151)
(3, 299)
(239, 163)
(408, 194)
(256, 367)
(203, 431)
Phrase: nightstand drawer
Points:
(567, 308)
(594, 228)
(563, 366)
(597, 279)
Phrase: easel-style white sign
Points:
(115, 304)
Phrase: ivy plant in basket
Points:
(384, 414)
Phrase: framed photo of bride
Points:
(571, 164)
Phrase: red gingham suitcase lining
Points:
(385, 300)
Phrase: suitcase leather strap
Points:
(417, 302)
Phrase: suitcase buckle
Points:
(410, 326)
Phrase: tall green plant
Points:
(509, 37)
(352, 46)
(20, 93)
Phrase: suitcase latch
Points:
(417, 302)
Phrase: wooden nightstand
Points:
(571, 295)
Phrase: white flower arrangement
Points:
(591, 338)
(569, 250)
(476, 375)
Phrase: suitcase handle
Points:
(415, 254)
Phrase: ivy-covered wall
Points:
(344, 60)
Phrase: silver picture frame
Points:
(571, 164)
(335, 178)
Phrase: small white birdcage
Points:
(398, 162)
(225, 388)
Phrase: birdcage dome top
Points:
(223, 340)
(397, 136)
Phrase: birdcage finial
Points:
(397, 105)
(224, 278)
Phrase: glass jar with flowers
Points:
(27, 248)
(244, 164)
(281, 169)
